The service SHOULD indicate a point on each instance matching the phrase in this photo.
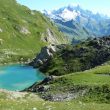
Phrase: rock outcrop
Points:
(41, 86)
(24, 30)
(44, 87)
(50, 37)
(1, 30)
(46, 53)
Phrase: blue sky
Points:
(102, 6)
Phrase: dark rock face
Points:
(41, 87)
(100, 42)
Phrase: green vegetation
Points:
(97, 96)
(22, 31)
(83, 56)
(95, 84)
(80, 72)
(89, 77)
(28, 103)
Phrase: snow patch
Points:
(69, 15)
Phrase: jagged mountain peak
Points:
(72, 11)
(89, 24)
(66, 13)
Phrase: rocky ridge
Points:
(79, 23)
(69, 58)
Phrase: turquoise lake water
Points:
(18, 77)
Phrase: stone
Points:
(24, 30)
(39, 62)
(1, 30)
(1, 41)
(34, 108)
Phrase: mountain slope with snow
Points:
(78, 23)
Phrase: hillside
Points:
(85, 90)
(75, 73)
(69, 58)
(29, 101)
(87, 86)
(23, 32)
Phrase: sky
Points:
(101, 6)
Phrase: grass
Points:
(12, 23)
(29, 104)
(86, 78)
(96, 85)
(90, 77)
(94, 100)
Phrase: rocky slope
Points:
(29, 101)
(23, 31)
(69, 58)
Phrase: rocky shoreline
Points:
(42, 89)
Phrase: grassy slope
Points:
(42, 105)
(14, 17)
(96, 81)
(95, 77)
(31, 101)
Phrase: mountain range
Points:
(78, 23)
(77, 77)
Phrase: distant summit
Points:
(72, 11)
(79, 23)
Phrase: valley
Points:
(58, 60)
